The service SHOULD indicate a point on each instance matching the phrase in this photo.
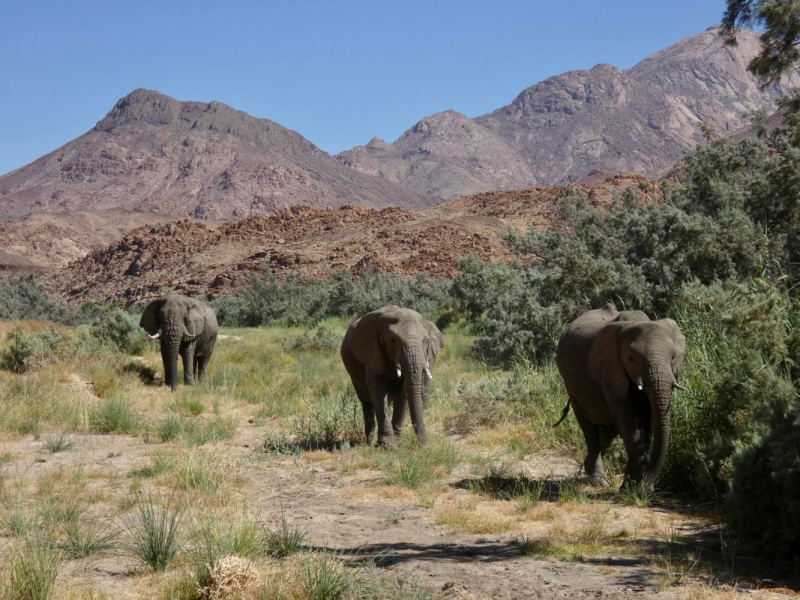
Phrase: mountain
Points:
(155, 155)
(639, 120)
(195, 259)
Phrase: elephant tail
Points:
(563, 414)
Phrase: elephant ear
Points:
(605, 367)
(149, 320)
(680, 347)
(436, 340)
(194, 320)
(365, 343)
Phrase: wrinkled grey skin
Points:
(386, 353)
(604, 356)
(187, 327)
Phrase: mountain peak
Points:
(144, 105)
(377, 142)
(156, 155)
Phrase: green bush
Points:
(121, 330)
(323, 340)
(764, 502)
(298, 301)
(15, 358)
(23, 298)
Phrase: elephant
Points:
(389, 354)
(185, 326)
(619, 369)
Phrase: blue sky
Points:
(339, 72)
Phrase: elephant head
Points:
(399, 345)
(629, 357)
(175, 320)
(436, 342)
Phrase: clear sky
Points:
(337, 71)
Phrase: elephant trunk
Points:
(659, 385)
(412, 362)
(172, 336)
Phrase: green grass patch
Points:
(412, 465)
(115, 415)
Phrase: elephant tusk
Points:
(399, 372)
(154, 337)
(678, 386)
(428, 373)
(639, 384)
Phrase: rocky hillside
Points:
(155, 155)
(192, 258)
(639, 120)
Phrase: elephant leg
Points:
(187, 353)
(202, 363)
(167, 364)
(378, 392)
(594, 447)
(200, 369)
(628, 422)
(399, 408)
(356, 371)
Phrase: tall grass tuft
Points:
(86, 537)
(284, 540)
(223, 535)
(323, 577)
(33, 568)
(151, 535)
(58, 444)
(114, 415)
(197, 472)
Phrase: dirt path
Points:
(404, 539)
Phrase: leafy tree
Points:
(780, 21)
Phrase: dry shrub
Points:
(479, 412)
(229, 578)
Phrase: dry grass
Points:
(474, 518)
(380, 493)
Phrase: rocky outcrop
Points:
(192, 258)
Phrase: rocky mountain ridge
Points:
(639, 120)
(152, 154)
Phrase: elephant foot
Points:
(636, 484)
(599, 481)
